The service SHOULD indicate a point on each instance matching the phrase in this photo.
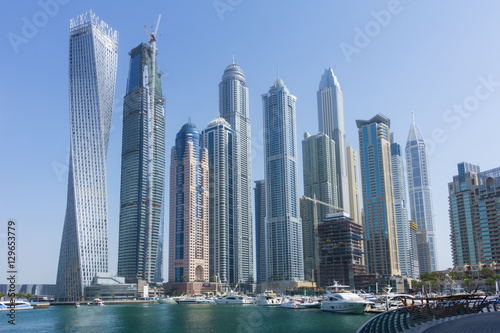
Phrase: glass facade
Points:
(419, 188)
(320, 182)
(331, 122)
(93, 49)
(378, 196)
(402, 225)
(143, 153)
(234, 108)
(218, 138)
(283, 224)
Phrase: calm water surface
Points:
(181, 318)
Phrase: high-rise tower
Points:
(283, 223)
(419, 187)
(260, 230)
(320, 183)
(402, 224)
(189, 244)
(331, 122)
(143, 152)
(234, 108)
(93, 52)
(381, 246)
(218, 139)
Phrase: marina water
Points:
(181, 318)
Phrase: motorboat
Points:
(307, 302)
(205, 300)
(292, 304)
(17, 305)
(341, 300)
(187, 300)
(96, 302)
(166, 300)
(268, 298)
(233, 299)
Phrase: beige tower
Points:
(188, 257)
(353, 175)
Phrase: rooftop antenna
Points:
(335, 66)
(278, 69)
(413, 116)
(233, 58)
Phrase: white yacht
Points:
(292, 304)
(205, 300)
(187, 300)
(166, 300)
(233, 299)
(268, 298)
(343, 301)
(18, 305)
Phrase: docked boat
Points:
(340, 300)
(268, 298)
(166, 300)
(205, 300)
(96, 302)
(233, 299)
(310, 303)
(18, 305)
(292, 304)
(186, 300)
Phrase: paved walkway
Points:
(488, 322)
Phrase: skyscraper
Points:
(331, 122)
(414, 268)
(381, 246)
(189, 244)
(320, 183)
(419, 187)
(402, 225)
(218, 139)
(353, 173)
(474, 215)
(260, 229)
(143, 154)
(283, 223)
(234, 108)
(93, 50)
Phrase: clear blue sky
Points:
(425, 57)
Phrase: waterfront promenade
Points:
(475, 323)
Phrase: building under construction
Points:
(340, 250)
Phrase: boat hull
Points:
(344, 307)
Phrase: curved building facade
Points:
(93, 50)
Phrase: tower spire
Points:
(233, 58)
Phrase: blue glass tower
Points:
(143, 153)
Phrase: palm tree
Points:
(113, 296)
(127, 294)
(468, 284)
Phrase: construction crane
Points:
(316, 201)
(315, 228)
(151, 117)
